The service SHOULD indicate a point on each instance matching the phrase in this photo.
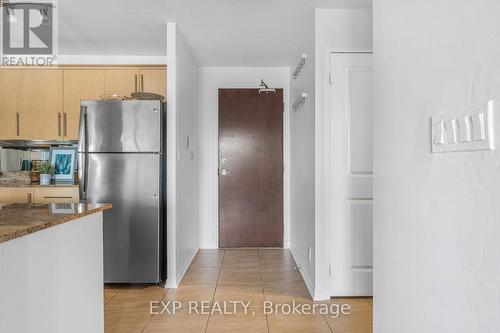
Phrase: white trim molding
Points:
(184, 268)
(303, 272)
(171, 151)
(70, 59)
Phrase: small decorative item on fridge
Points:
(46, 170)
(64, 161)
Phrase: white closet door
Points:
(351, 175)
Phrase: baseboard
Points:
(185, 267)
(208, 247)
(321, 296)
(305, 276)
(170, 284)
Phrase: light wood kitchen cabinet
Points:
(31, 104)
(42, 111)
(56, 195)
(10, 104)
(127, 81)
(52, 194)
(44, 103)
(15, 194)
(79, 84)
(121, 81)
(153, 80)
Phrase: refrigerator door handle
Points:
(83, 130)
(82, 147)
(82, 175)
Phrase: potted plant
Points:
(46, 170)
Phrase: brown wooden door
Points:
(250, 168)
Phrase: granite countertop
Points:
(17, 220)
(22, 179)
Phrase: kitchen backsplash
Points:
(11, 158)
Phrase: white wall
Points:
(344, 28)
(302, 159)
(329, 30)
(111, 60)
(210, 80)
(437, 216)
(182, 160)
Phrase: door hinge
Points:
(330, 79)
(330, 270)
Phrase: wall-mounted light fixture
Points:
(11, 6)
(264, 88)
(299, 102)
(299, 67)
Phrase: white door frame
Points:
(328, 221)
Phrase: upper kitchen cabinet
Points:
(43, 103)
(42, 110)
(31, 104)
(129, 80)
(10, 104)
(121, 81)
(79, 84)
(153, 80)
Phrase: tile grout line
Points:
(150, 314)
(109, 300)
(328, 324)
(215, 290)
(262, 286)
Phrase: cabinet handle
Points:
(17, 124)
(53, 197)
(59, 123)
(142, 82)
(135, 82)
(65, 117)
(30, 200)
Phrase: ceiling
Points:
(219, 32)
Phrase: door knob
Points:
(225, 172)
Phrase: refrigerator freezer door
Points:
(130, 182)
(120, 126)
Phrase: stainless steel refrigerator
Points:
(122, 161)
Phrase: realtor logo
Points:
(29, 31)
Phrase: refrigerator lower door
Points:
(131, 183)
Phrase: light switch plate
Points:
(468, 130)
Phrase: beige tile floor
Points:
(218, 276)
